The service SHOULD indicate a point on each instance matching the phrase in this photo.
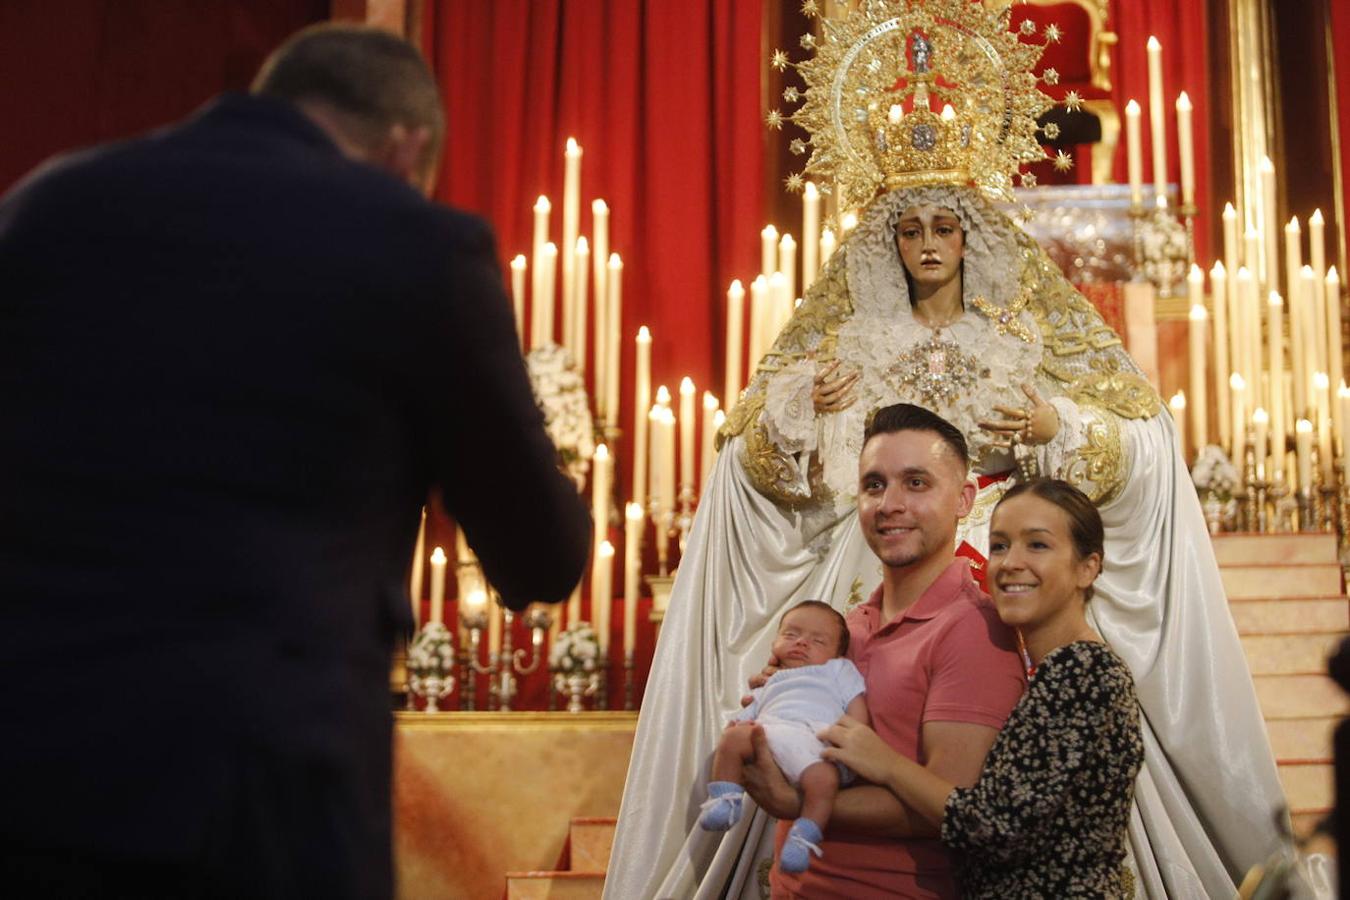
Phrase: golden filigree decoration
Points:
(854, 595)
(1098, 469)
(1126, 394)
(1006, 319)
(901, 92)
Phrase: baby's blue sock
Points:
(803, 840)
(723, 807)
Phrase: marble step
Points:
(1254, 549)
(1290, 654)
(1302, 740)
(1308, 787)
(591, 841)
(1278, 581)
(1304, 614)
(1300, 696)
(554, 885)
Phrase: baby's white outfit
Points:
(795, 704)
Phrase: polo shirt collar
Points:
(948, 586)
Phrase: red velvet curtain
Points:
(1183, 31)
(664, 98)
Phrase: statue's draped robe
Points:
(777, 525)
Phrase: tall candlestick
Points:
(847, 222)
(1134, 153)
(494, 617)
(1231, 263)
(571, 224)
(1254, 254)
(780, 310)
(632, 566)
(656, 500)
(1303, 433)
(735, 341)
(641, 401)
(1330, 355)
(1218, 281)
(810, 237)
(602, 467)
(546, 269)
(1278, 426)
(1199, 368)
(707, 450)
(518, 266)
(787, 263)
(437, 586)
(580, 272)
(759, 311)
(1251, 332)
(603, 326)
(687, 428)
(768, 251)
(613, 324)
(1178, 407)
(1322, 396)
(1238, 385)
(1335, 356)
(1343, 417)
(827, 245)
(1156, 117)
(1186, 149)
(1260, 422)
(602, 586)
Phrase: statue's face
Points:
(931, 245)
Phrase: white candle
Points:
(708, 449)
(1322, 396)
(759, 312)
(1186, 149)
(1303, 364)
(768, 251)
(1332, 291)
(613, 323)
(1343, 408)
(1199, 369)
(827, 245)
(542, 209)
(1134, 153)
(437, 586)
(810, 237)
(546, 275)
(1303, 453)
(580, 272)
(494, 619)
(1251, 330)
(1218, 281)
(787, 263)
(1156, 117)
(415, 580)
(1231, 263)
(642, 399)
(687, 428)
(735, 340)
(780, 310)
(1260, 422)
(668, 457)
(602, 587)
(1275, 311)
(632, 566)
(518, 266)
(603, 326)
(1270, 262)
(1329, 353)
(1178, 407)
(847, 222)
(1238, 386)
(571, 225)
(602, 467)
(1295, 288)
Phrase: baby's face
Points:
(807, 637)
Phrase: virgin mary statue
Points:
(1017, 347)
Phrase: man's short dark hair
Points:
(373, 78)
(839, 617)
(908, 417)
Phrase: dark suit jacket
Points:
(232, 364)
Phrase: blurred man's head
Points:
(370, 90)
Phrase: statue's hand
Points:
(833, 389)
(1035, 424)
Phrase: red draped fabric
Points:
(1183, 31)
(664, 98)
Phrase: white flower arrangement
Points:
(1163, 242)
(575, 649)
(560, 392)
(1214, 474)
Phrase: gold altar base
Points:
(479, 794)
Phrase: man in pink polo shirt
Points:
(941, 669)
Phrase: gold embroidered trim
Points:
(1124, 393)
(1005, 319)
(1098, 468)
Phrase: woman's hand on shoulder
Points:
(833, 390)
(1035, 424)
(860, 748)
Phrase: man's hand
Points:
(765, 784)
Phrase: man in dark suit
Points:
(235, 356)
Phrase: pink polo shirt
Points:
(947, 658)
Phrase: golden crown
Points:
(876, 76)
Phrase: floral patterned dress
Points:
(1048, 816)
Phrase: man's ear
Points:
(403, 154)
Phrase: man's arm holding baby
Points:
(954, 751)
